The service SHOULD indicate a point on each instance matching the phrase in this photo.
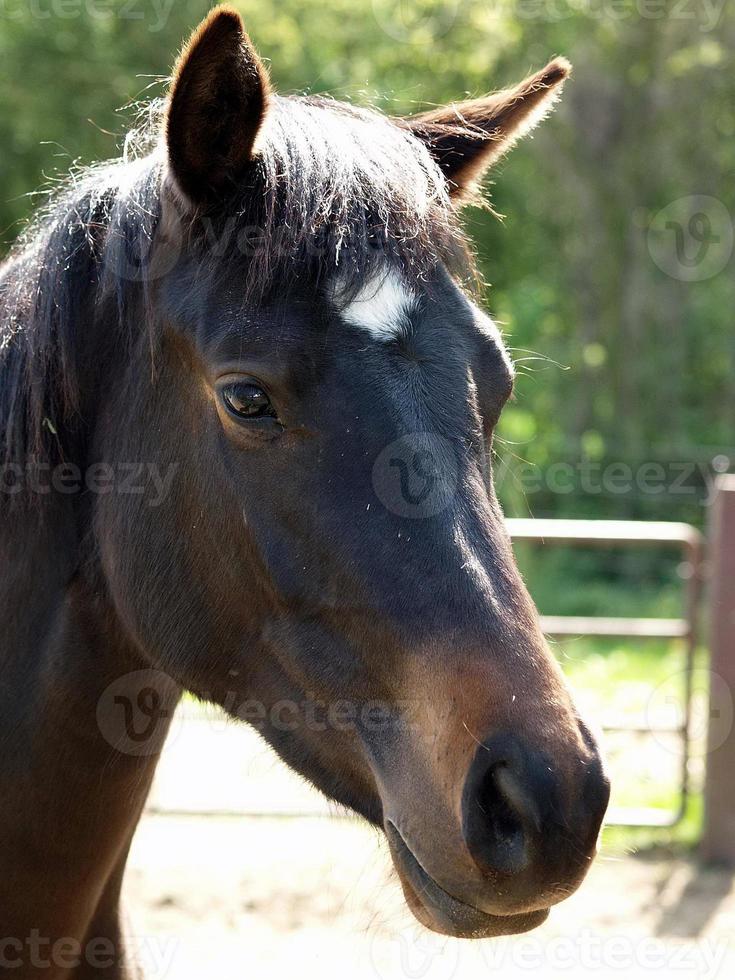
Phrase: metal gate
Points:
(690, 543)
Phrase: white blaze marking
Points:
(380, 306)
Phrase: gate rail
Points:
(690, 543)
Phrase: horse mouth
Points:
(441, 912)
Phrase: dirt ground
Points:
(228, 897)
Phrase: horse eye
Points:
(246, 400)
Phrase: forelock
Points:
(341, 191)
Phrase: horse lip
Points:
(438, 910)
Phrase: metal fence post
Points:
(718, 840)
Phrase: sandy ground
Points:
(230, 897)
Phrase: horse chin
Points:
(441, 912)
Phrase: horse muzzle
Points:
(523, 839)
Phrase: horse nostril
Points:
(502, 839)
(530, 828)
(501, 806)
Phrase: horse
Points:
(247, 411)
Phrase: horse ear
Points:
(467, 137)
(217, 103)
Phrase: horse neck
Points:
(66, 667)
